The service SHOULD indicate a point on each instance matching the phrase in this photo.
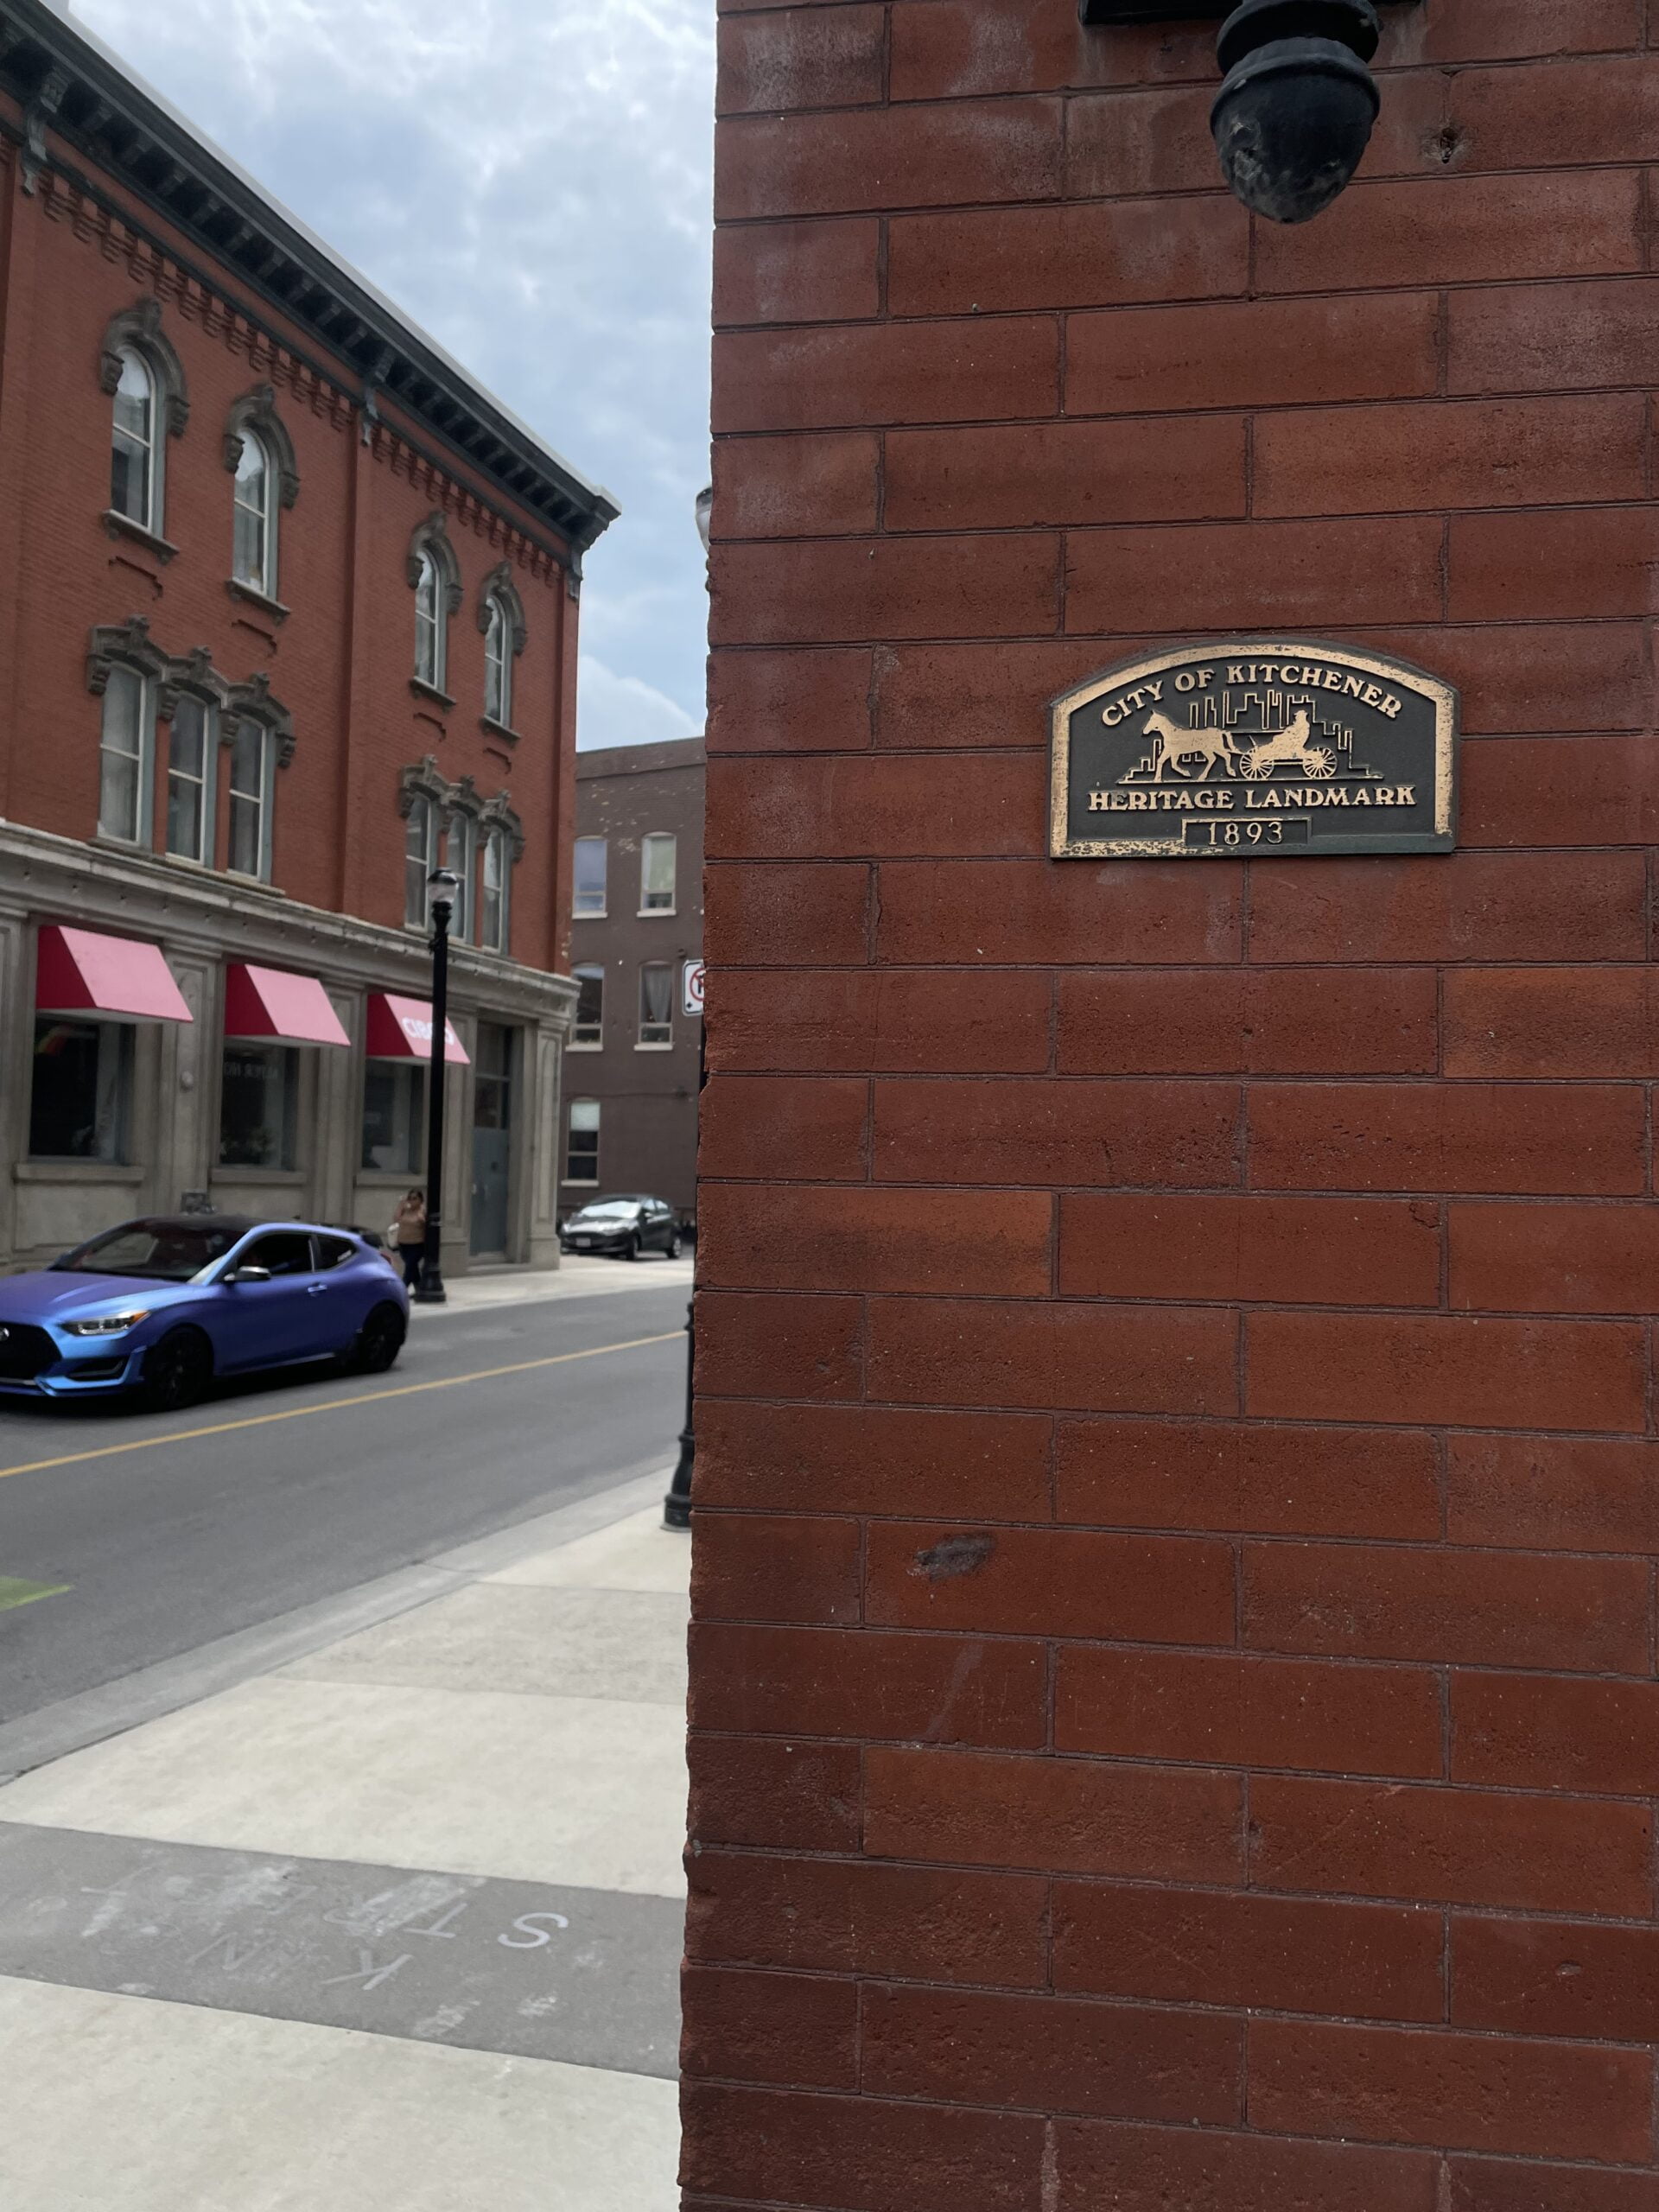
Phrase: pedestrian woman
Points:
(408, 1231)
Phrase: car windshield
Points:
(159, 1251)
(611, 1208)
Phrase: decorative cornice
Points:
(460, 801)
(128, 644)
(59, 74)
(253, 701)
(498, 814)
(256, 411)
(138, 330)
(499, 585)
(422, 780)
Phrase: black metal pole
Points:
(677, 1506)
(432, 1291)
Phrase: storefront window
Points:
(394, 1108)
(81, 1102)
(258, 1110)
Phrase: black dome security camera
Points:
(1293, 119)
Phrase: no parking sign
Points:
(691, 982)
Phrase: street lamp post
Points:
(442, 886)
(677, 1506)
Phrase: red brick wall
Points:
(342, 661)
(1176, 1724)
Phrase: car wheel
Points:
(674, 1245)
(379, 1341)
(177, 1370)
(633, 1247)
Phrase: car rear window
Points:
(334, 1251)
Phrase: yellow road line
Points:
(335, 1405)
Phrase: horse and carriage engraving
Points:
(1254, 759)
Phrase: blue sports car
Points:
(161, 1306)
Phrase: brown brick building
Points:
(631, 1108)
(1176, 1724)
(288, 611)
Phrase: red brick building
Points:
(1176, 1724)
(288, 612)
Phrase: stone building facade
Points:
(288, 613)
(1177, 1484)
(631, 1103)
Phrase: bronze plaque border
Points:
(1447, 715)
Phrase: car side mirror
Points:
(249, 1274)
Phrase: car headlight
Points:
(107, 1324)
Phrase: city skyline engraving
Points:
(1251, 746)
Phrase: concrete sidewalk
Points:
(392, 1928)
(574, 1277)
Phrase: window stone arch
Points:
(432, 537)
(137, 329)
(255, 701)
(422, 780)
(256, 411)
(130, 644)
(501, 590)
(498, 813)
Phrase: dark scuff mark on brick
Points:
(956, 1555)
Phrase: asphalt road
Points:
(169, 1531)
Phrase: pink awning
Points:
(78, 971)
(269, 1002)
(401, 1029)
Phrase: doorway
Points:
(491, 1140)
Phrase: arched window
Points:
(460, 857)
(501, 621)
(435, 579)
(253, 762)
(135, 448)
(498, 664)
(253, 558)
(139, 368)
(429, 624)
(494, 878)
(420, 858)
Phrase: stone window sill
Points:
(120, 525)
(273, 608)
(491, 727)
(574, 1047)
(288, 1175)
(75, 1170)
(431, 694)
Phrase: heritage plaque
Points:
(1254, 745)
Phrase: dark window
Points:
(258, 1109)
(81, 1099)
(334, 1251)
(288, 1253)
(581, 1153)
(492, 1077)
(394, 1106)
(590, 1007)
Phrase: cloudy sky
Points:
(529, 179)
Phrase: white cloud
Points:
(623, 710)
(530, 180)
